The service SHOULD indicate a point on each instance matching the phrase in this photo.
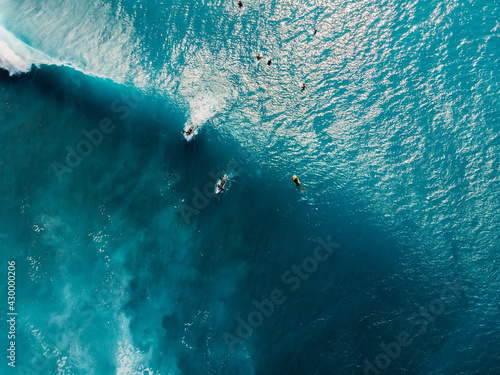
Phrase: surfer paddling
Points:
(222, 183)
(297, 183)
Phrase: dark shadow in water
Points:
(246, 237)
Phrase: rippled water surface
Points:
(126, 263)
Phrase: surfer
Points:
(222, 183)
(240, 4)
(259, 56)
(303, 87)
(297, 183)
(189, 131)
(269, 62)
(315, 31)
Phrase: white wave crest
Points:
(16, 56)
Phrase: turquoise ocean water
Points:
(126, 262)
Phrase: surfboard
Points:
(192, 134)
(217, 190)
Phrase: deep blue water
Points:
(127, 264)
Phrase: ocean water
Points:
(127, 263)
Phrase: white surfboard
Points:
(217, 190)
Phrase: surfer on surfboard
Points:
(189, 131)
(220, 185)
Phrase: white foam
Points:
(86, 36)
(16, 56)
(205, 87)
(202, 107)
(129, 359)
